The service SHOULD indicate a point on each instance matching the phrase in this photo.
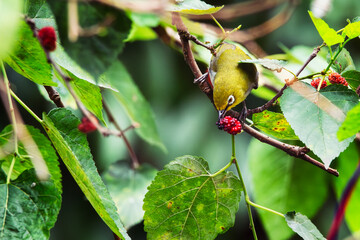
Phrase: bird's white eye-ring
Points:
(231, 100)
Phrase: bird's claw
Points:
(201, 79)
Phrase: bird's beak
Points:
(222, 113)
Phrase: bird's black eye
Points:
(231, 100)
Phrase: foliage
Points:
(184, 200)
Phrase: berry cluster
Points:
(335, 78)
(86, 126)
(230, 125)
(315, 83)
(47, 38)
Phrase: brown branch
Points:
(188, 55)
(135, 161)
(154, 6)
(167, 37)
(271, 87)
(54, 96)
(237, 10)
(298, 152)
(292, 150)
(258, 31)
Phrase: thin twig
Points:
(135, 161)
(258, 31)
(232, 11)
(268, 104)
(279, 94)
(198, 42)
(271, 87)
(154, 6)
(299, 152)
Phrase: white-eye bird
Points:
(231, 81)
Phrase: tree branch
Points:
(232, 11)
(260, 30)
(292, 150)
(54, 96)
(296, 151)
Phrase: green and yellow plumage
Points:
(231, 78)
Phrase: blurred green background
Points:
(184, 116)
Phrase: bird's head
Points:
(225, 100)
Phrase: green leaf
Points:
(32, 7)
(351, 125)
(317, 116)
(23, 161)
(144, 19)
(97, 52)
(195, 7)
(28, 58)
(136, 106)
(352, 30)
(282, 183)
(343, 62)
(88, 93)
(270, 64)
(303, 226)
(44, 17)
(10, 11)
(347, 164)
(328, 34)
(274, 124)
(128, 188)
(352, 77)
(29, 207)
(72, 146)
(186, 202)
(140, 33)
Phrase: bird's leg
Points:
(243, 113)
(202, 78)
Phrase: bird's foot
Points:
(201, 79)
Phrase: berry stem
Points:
(321, 83)
(309, 76)
(247, 198)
